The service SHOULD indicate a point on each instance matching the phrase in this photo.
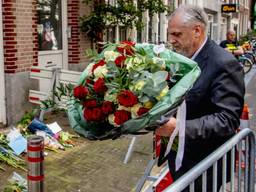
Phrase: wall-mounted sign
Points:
(228, 8)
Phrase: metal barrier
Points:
(245, 178)
(155, 182)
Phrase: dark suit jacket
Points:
(214, 105)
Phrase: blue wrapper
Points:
(36, 125)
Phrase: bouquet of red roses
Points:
(129, 87)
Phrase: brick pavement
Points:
(93, 166)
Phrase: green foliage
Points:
(63, 90)
(27, 118)
(91, 53)
(6, 156)
(123, 13)
(14, 185)
(3, 140)
(250, 35)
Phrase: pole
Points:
(35, 149)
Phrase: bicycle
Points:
(246, 63)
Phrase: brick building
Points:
(36, 33)
(46, 33)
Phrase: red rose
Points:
(168, 77)
(128, 43)
(127, 98)
(90, 103)
(88, 114)
(89, 81)
(142, 110)
(80, 92)
(100, 63)
(99, 86)
(107, 107)
(121, 116)
(97, 114)
(120, 61)
(125, 50)
(94, 114)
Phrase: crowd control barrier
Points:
(242, 179)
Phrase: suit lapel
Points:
(203, 54)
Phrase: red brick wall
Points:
(78, 42)
(85, 42)
(19, 35)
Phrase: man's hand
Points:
(227, 49)
(167, 129)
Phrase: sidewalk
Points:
(92, 166)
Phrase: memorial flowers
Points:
(125, 86)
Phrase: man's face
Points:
(183, 38)
(231, 36)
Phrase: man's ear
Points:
(198, 30)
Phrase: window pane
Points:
(49, 25)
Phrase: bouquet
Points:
(129, 87)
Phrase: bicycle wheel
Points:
(247, 64)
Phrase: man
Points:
(231, 45)
(215, 102)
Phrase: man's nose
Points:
(172, 40)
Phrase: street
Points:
(250, 82)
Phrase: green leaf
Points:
(91, 53)
(153, 91)
(159, 77)
(144, 99)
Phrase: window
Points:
(49, 25)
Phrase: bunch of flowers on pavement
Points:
(7, 156)
(16, 183)
(129, 87)
(13, 143)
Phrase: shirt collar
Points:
(198, 50)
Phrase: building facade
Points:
(46, 33)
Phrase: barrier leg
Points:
(146, 175)
(130, 150)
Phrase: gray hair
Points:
(192, 14)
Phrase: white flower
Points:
(110, 97)
(89, 68)
(139, 85)
(100, 72)
(158, 48)
(135, 109)
(111, 55)
(111, 120)
(159, 61)
(129, 63)
(121, 107)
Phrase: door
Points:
(52, 37)
(2, 84)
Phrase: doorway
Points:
(52, 36)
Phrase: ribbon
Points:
(179, 129)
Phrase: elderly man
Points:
(215, 102)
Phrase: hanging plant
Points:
(124, 13)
